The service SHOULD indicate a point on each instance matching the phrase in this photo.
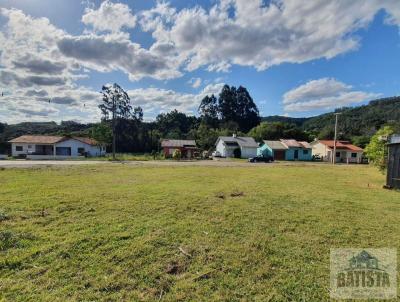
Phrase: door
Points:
(296, 154)
(279, 155)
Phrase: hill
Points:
(298, 121)
(361, 121)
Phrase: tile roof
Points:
(305, 145)
(37, 139)
(291, 143)
(48, 139)
(341, 145)
(85, 140)
(275, 145)
(242, 141)
(178, 143)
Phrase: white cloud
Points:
(323, 94)
(195, 82)
(117, 52)
(155, 100)
(109, 17)
(250, 33)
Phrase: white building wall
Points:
(75, 144)
(221, 148)
(248, 152)
(26, 148)
(319, 149)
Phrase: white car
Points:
(216, 154)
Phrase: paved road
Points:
(213, 163)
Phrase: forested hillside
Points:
(355, 123)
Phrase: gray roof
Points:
(395, 139)
(178, 143)
(242, 141)
(275, 145)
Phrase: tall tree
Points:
(116, 103)
(236, 105)
(227, 104)
(208, 110)
(248, 115)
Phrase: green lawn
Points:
(123, 233)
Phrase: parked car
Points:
(216, 154)
(316, 157)
(261, 159)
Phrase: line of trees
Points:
(231, 111)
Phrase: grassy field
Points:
(120, 233)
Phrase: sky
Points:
(296, 58)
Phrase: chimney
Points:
(234, 135)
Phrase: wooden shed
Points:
(393, 170)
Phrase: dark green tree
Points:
(209, 112)
(116, 105)
(247, 115)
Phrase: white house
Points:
(345, 151)
(226, 145)
(54, 147)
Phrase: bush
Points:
(177, 154)
(376, 150)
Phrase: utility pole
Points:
(114, 108)
(334, 142)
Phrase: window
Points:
(354, 155)
(64, 151)
(29, 146)
(19, 148)
(305, 152)
(81, 151)
(337, 154)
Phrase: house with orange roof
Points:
(54, 147)
(345, 151)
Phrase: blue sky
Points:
(295, 58)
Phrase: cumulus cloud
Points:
(39, 66)
(195, 82)
(252, 33)
(113, 52)
(109, 17)
(11, 78)
(156, 100)
(323, 94)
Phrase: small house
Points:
(241, 146)
(188, 148)
(393, 169)
(345, 151)
(54, 147)
(286, 149)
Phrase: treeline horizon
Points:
(232, 111)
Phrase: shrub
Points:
(376, 149)
(177, 154)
